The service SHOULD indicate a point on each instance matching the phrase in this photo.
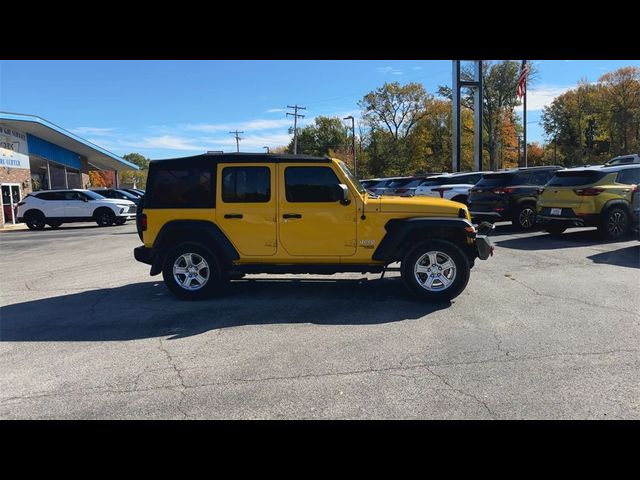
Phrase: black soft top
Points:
(210, 159)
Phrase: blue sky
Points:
(178, 108)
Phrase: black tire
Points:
(104, 217)
(54, 225)
(438, 291)
(120, 221)
(525, 217)
(614, 224)
(35, 220)
(215, 280)
(555, 231)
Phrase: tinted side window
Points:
(630, 176)
(50, 196)
(73, 196)
(311, 184)
(246, 184)
(180, 188)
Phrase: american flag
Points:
(522, 82)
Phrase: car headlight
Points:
(124, 207)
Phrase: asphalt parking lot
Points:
(547, 329)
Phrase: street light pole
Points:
(267, 149)
(353, 144)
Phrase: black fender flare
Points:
(200, 231)
(400, 230)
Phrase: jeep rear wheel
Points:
(192, 272)
(435, 270)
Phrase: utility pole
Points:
(236, 133)
(353, 144)
(295, 116)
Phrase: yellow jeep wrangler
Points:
(214, 217)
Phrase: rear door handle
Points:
(291, 215)
(232, 215)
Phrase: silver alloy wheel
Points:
(191, 271)
(435, 271)
(527, 217)
(617, 224)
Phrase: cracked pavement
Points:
(547, 329)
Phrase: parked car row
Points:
(553, 197)
(55, 207)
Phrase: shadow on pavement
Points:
(569, 239)
(147, 310)
(625, 257)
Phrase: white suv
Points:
(452, 186)
(55, 207)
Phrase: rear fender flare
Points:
(199, 231)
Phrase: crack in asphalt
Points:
(444, 380)
(183, 388)
(558, 297)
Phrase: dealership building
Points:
(36, 154)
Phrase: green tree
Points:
(324, 136)
(394, 107)
(139, 160)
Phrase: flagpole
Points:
(524, 133)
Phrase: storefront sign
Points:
(14, 152)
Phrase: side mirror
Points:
(344, 194)
(85, 199)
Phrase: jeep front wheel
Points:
(435, 270)
(192, 272)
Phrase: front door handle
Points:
(291, 215)
(232, 215)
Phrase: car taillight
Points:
(588, 192)
(401, 190)
(441, 190)
(502, 191)
(634, 188)
(143, 222)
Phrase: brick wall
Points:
(21, 176)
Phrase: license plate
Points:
(556, 211)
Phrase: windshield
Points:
(93, 195)
(498, 180)
(571, 179)
(130, 196)
(350, 176)
(434, 181)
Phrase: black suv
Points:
(509, 195)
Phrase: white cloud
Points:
(417, 68)
(275, 110)
(258, 124)
(389, 70)
(168, 142)
(542, 95)
(93, 131)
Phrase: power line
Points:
(236, 134)
(295, 116)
